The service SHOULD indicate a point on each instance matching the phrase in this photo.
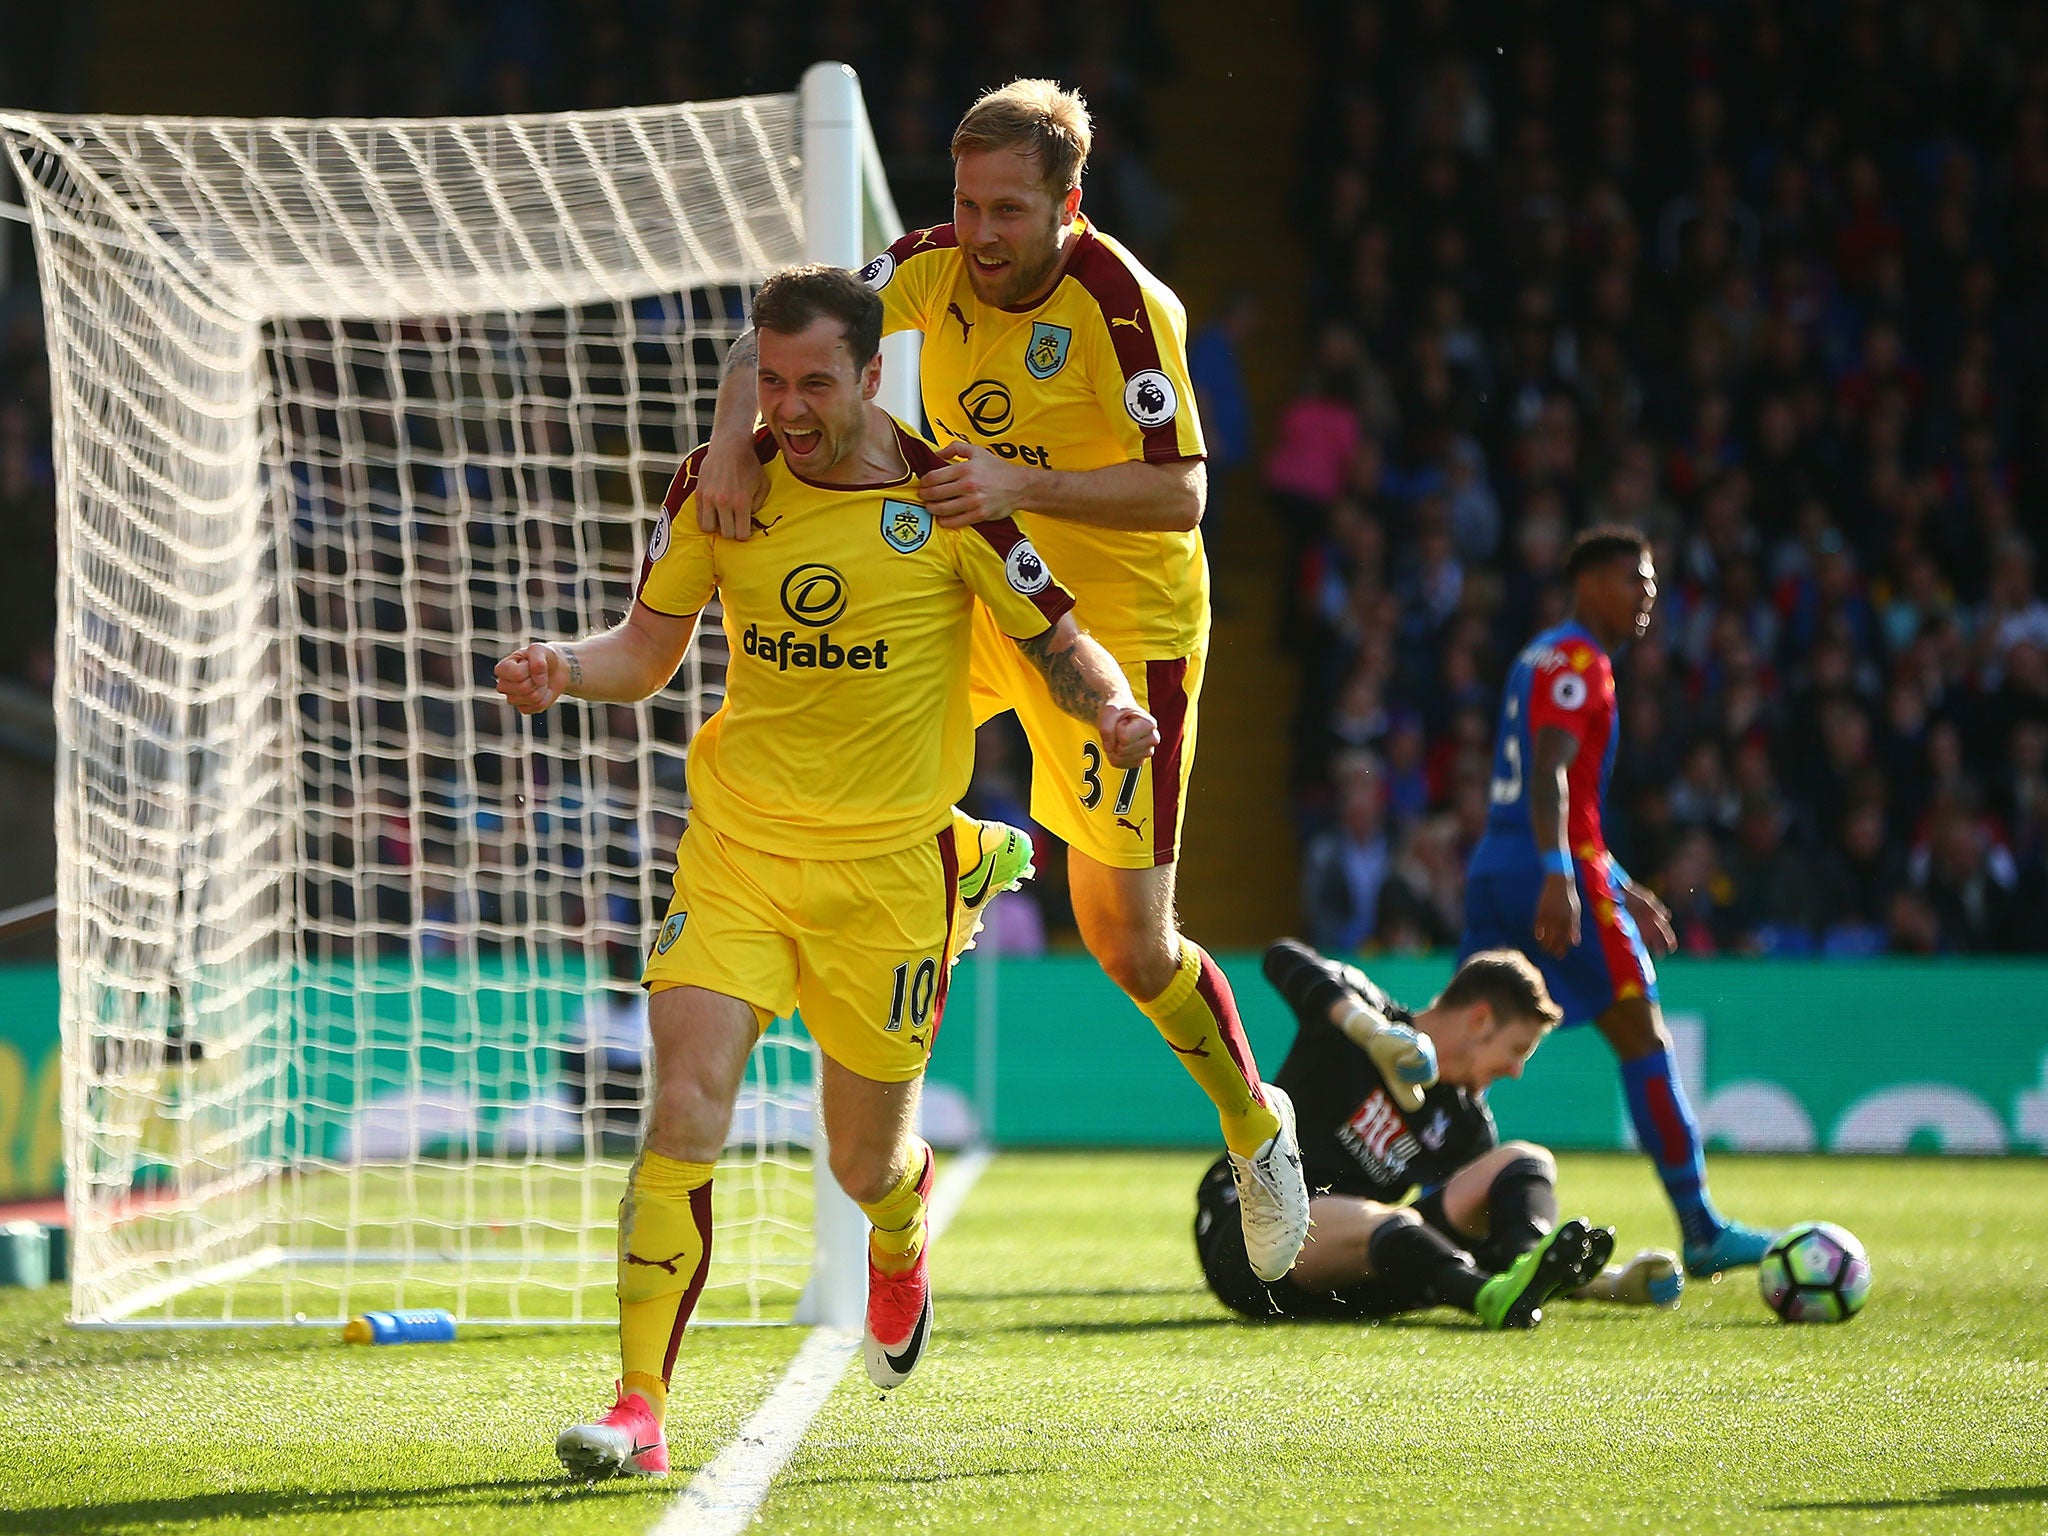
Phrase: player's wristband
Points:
(1557, 862)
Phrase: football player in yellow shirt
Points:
(1054, 365)
(818, 868)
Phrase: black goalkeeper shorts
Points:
(1219, 1244)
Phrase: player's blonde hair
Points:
(1037, 117)
(1506, 979)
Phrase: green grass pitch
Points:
(1083, 1381)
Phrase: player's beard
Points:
(1022, 279)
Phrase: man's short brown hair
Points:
(1039, 118)
(1506, 979)
(796, 298)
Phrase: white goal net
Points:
(345, 411)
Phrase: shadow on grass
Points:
(275, 1503)
(1129, 1325)
(1945, 1498)
(1107, 1293)
(894, 1479)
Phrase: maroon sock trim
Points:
(1215, 991)
(700, 1211)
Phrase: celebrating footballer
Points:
(1054, 368)
(818, 868)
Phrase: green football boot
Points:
(1004, 863)
(1514, 1298)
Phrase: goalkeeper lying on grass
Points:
(1388, 1100)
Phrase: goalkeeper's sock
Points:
(1665, 1127)
(897, 1227)
(1521, 1207)
(1420, 1267)
(1198, 1016)
(664, 1251)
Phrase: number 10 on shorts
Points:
(917, 991)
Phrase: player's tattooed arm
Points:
(1557, 909)
(618, 666)
(1078, 673)
(730, 484)
(743, 354)
(1085, 682)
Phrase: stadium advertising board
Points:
(1779, 1056)
(1782, 1055)
(31, 1074)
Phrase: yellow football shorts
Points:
(856, 946)
(1127, 818)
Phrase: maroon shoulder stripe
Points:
(685, 480)
(1052, 600)
(1166, 696)
(917, 453)
(679, 490)
(940, 237)
(1115, 290)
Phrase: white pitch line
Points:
(726, 1493)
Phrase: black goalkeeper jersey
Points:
(1354, 1138)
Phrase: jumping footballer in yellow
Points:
(818, 871)
(1054, 365)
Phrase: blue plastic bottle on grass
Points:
(415, 1325)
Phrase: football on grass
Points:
(1815, 1272)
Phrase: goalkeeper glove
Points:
(1406, 1058)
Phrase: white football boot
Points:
(1272, 1197)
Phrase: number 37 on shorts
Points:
(1128, 818)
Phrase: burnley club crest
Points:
(1046, 353)
(905, 525)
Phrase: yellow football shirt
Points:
(846, 730)
(1094, 374)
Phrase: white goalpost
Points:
(344, 410)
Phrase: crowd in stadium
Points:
(1768, 282)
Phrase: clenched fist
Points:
(1128, 734)
(533, 678)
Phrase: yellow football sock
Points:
(897, 1225)
(1198, 1016)
(664, 1250)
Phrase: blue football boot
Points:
(1733, 1247)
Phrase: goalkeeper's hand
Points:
(1406, 1059)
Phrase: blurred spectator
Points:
(1967, 879)
(1216, 369)
(1860, 873)
(1771, 901)
(1347, 865)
